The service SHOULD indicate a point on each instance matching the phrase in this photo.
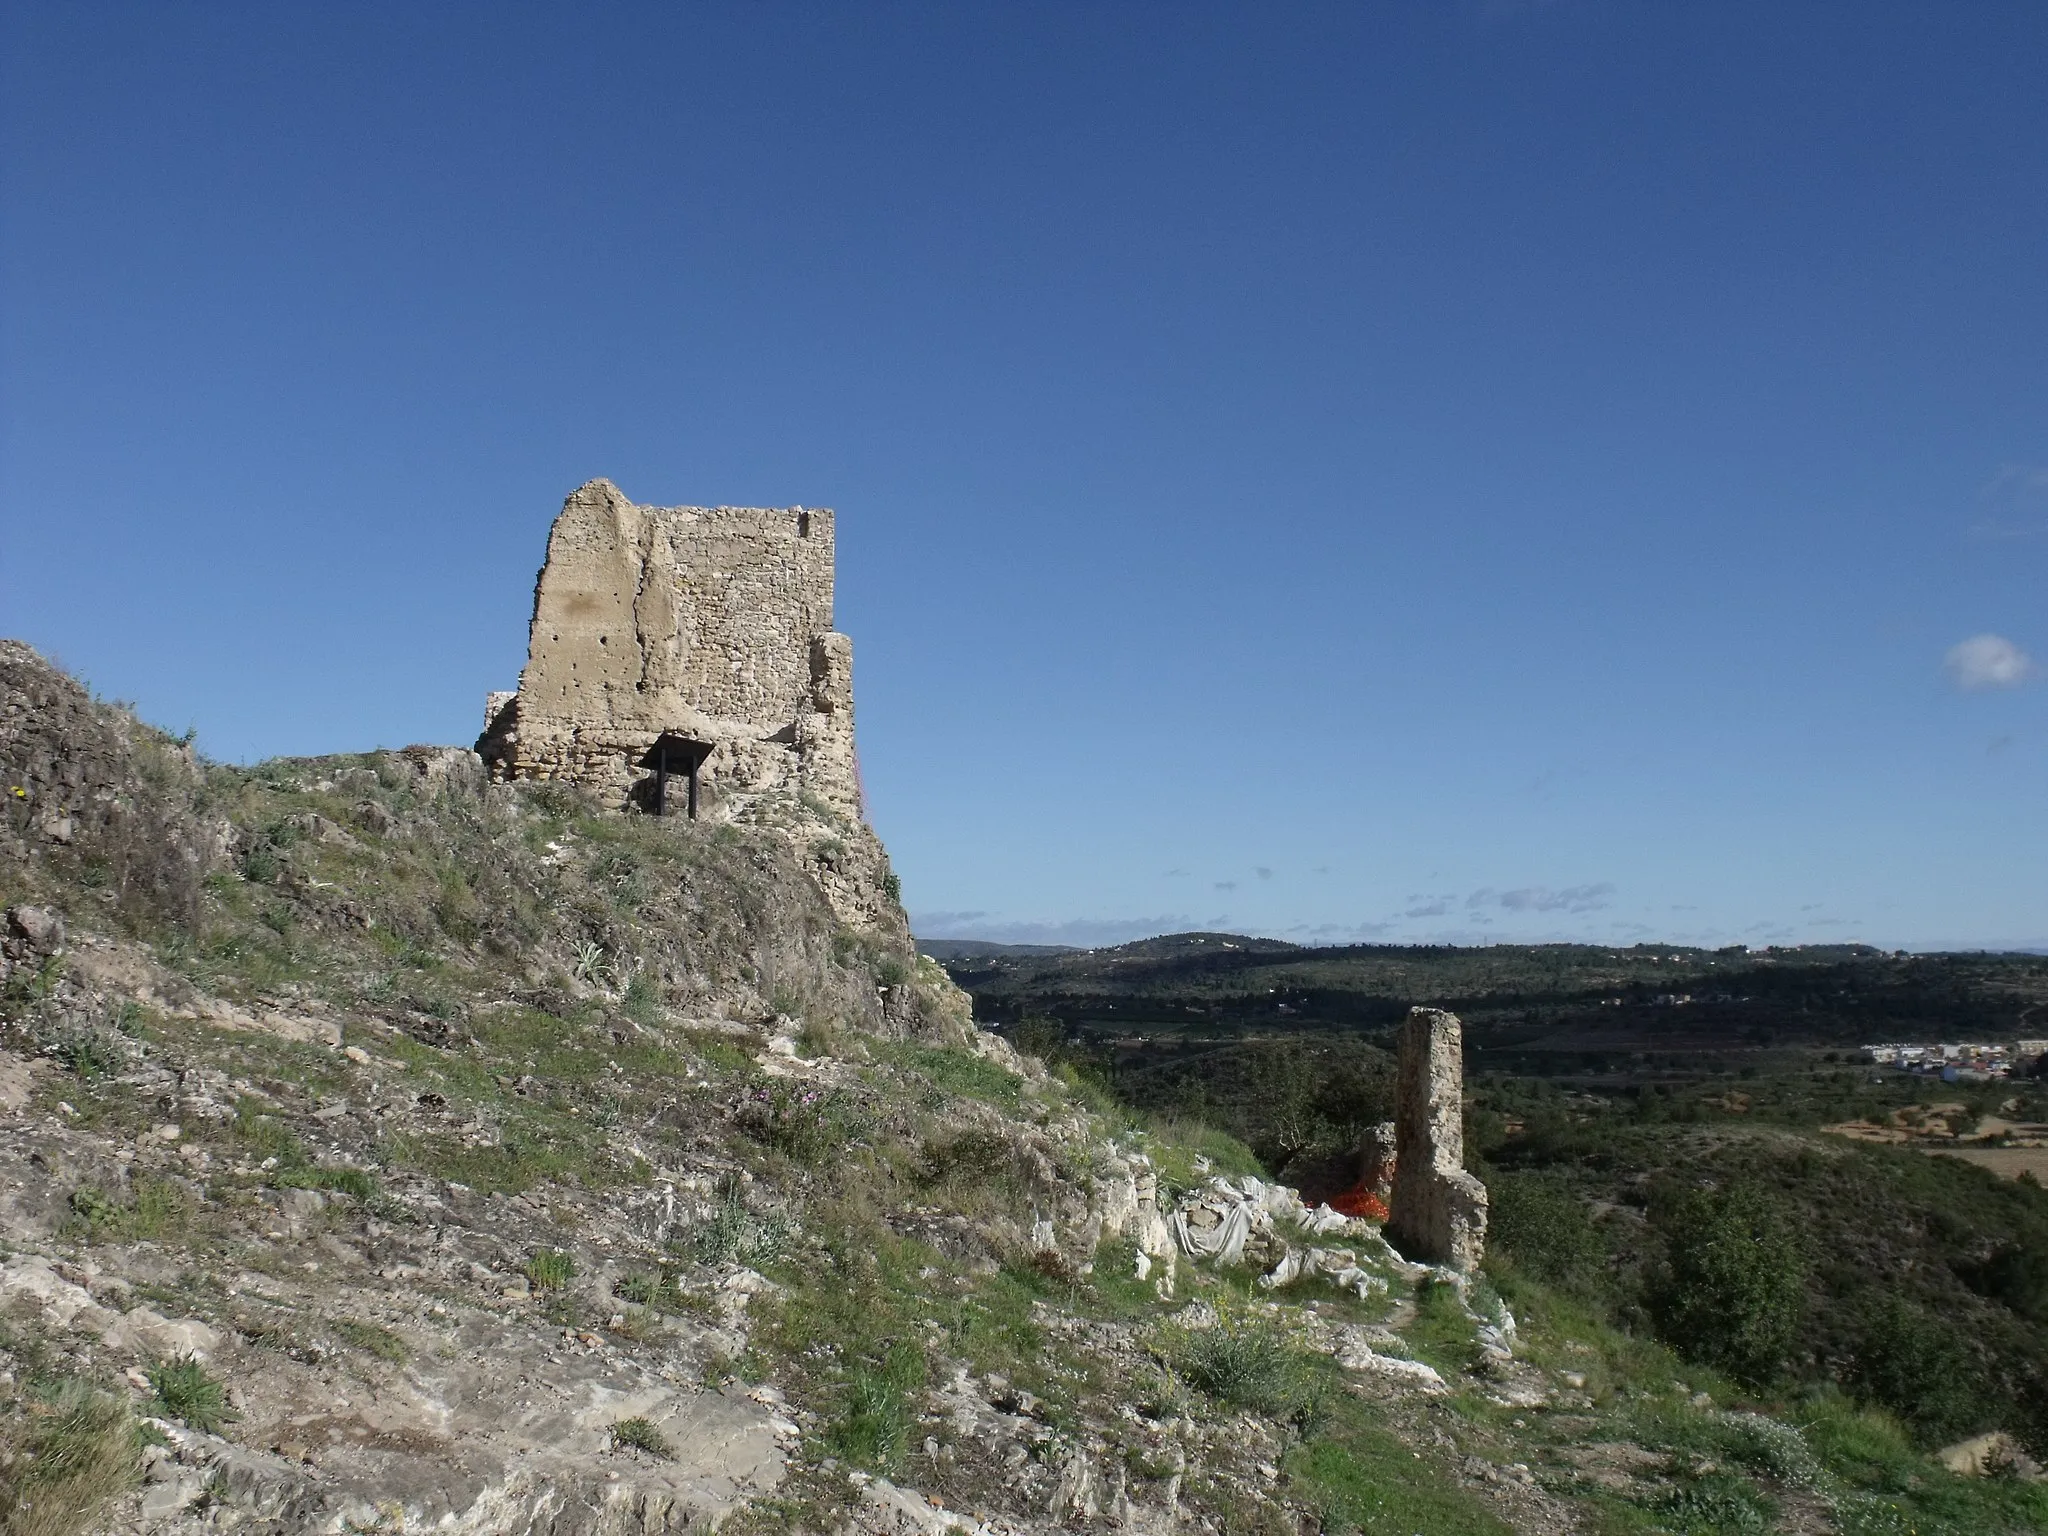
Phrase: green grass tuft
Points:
(550, 1269)
(372, 1339)
(64, 1453)
(641, 1435)
(185, 1391)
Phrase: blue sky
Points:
(1473, 471)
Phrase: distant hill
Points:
(981, 949)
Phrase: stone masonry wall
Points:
(711, 623)
(1439, 1209)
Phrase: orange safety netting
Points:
(1362, 1202)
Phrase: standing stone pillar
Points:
(1439, 1210)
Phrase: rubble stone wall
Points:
(710, 623)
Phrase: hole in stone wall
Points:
(803, 525)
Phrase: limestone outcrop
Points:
(1439, 1210)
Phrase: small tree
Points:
(1733, 1294)
(1540, 1225)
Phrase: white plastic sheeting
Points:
(1218, 1220)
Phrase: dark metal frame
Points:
(675, 754)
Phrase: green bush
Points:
(1920, 1365)
(955, 1071)
(1717, 1504)
(642, 1001)
(1543, 1227)
(803, 1123)
(373, 1339)
(1246, 1362)
(1038, 1034)
(86, 1053)
(156, 1210)
(1733, 1293)
(642, 1289)
(976, 1157)
(874, 1428)
(736, 1235)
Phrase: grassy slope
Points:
(529, 989)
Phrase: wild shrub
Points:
(156, 1210)
(642, 1000)
(642, 1288)
(185, 1391)
(1160, 1394)
(972, 1158)
(592, 966)
(1040, 1035)
(952, 1070)
(1920, 1365)
(2014, 1275)
(1243, 1361)
(873, 1428)
(1733, 1291)
(1544, 1228)
(373, 1339)
(1716, 1504)
(86, 1053)
(29, 987)
(803, 1123)
(734, 1234)
(457, 909)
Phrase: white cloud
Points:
(1541, 898)
(1988, 661)
(2018, 480)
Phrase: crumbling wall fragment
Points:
(1439, 1210)
(1376, 1155)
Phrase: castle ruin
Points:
(682, 659)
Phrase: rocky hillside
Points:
(384, 1150)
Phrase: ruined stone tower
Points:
(682, 659)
